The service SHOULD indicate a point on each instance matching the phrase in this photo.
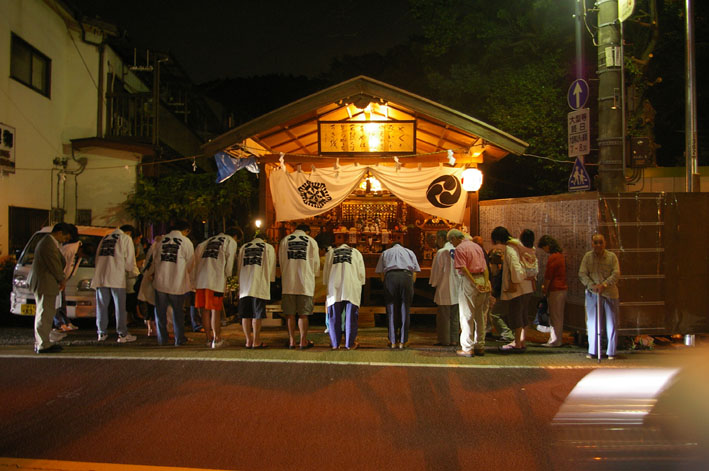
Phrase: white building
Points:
(76, 120)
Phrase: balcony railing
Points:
(130, 115)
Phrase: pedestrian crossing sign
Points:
(579, 179)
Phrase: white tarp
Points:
(433, 190)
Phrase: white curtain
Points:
(433, 190)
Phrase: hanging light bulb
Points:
(472, 179)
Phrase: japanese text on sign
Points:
(579, 131)
(7, 147)
(367, 136)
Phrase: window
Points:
(30, 66)
(83, 217)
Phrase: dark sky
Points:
(243, 38)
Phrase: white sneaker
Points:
(102, 337)
(127, 338)
(218, 344)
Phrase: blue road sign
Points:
(579, 179)
(578, 94)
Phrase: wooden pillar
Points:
(263, 196)
(474, 213)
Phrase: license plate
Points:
(28, 309)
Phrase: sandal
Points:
(308, 345)
(510, 349)
(261, 345)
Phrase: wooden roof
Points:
(293, 128)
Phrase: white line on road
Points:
(593, 365)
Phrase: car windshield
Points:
(28, 255)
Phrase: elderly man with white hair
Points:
(473, 295)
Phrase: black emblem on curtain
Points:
(444, 191)
(314, 194)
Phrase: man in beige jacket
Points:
(46, 280)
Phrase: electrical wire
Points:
(588, 28)
(19, 110)
(192, 157)
(572, 162)
(82, 60)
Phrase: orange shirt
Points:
(555, 273)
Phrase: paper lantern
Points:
(472, 179)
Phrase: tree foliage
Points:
(195, 197)
(509, 63)
(506, 63)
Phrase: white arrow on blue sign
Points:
(579, 179)
(578, 94)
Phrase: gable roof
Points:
(293, 128)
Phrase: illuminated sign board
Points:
(378, 137)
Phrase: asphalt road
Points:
(274, 416)
(273, 409)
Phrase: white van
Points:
(80, 298)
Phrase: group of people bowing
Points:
(468, 281)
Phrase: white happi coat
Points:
(257, 269)
(444, 277)
(172, 262)
(344, 274)
(214, 262)
(115, 258)
(299, 258)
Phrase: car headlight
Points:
(84, 285)
(20, 281)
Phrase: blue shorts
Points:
(252, 308)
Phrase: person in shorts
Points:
(299, 258)
(213, 264)
(257, 270)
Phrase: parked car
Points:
(80, 298)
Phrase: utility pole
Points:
(578, 30)
(690, 128)
(610, 108)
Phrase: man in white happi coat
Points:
(445, 278)
(343, 274)
(171, 268)
(115, 259)
(213, 264)
(299, 258)
(257, 270)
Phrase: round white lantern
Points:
(472, 179)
